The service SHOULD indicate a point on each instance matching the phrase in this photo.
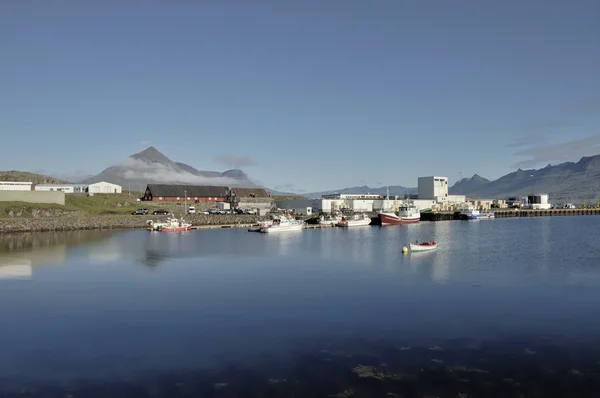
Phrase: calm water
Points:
(502, 308)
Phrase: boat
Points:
(331, 219)
(423, 247)
(175, 225)
(259, 225)
(406, 214)
(357, 220)
(155, 225)
(282, 224)
(469, 212)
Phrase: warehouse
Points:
(104, 187)
(252, 198)
(66, 188)
(15, 186)
(195, 193)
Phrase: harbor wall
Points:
(449, 216)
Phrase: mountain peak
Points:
(152, 155)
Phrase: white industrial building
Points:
(104, 187)
(66, 188)
(15, 186)
(434, 187)
(537, 202)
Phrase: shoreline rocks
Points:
(45, 224)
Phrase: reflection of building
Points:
(20, 269)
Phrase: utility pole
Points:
(185, 201)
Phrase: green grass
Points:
(97, 205)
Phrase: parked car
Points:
(140, 212)
(191, 210)
(160, 211)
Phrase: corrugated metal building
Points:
(196, 193)
(15, 186)
(253, 198)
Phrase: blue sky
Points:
(319, 94)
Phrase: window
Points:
(160, 198)
(178, 198)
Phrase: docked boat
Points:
(282, 224)
(469, 212)
(357, 220)
(423, 247)
(175, 225)
(330, 220)
(406, 214)
(259, 225)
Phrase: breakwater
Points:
(44, 224)
(449, 216)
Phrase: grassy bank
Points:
(97, 205)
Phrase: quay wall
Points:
(53, 197)
(449, 216)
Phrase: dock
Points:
(506, 213)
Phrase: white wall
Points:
(15, 186)
(33, 197)
(64, 188)
(361, 204)
(104, 187)
(433, 187)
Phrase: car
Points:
(191, 210)
(160, 212)
(140, 212)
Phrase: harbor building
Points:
(66, 188)
(253, 198)
(434, 187)
(15, 186)
(537, 202)
(104, 187)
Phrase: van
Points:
(191, 210)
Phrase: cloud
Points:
(234, 161)
(561, 152)
(161, 173)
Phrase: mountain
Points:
(469, 185)
(395, 190)
(566, 181)
(151, 166)
(25, 176)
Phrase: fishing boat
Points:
(469, 212)
(259, 225)
(423, 247)
(282, 224)
(406, 214)
(357, 220)
(175, 225)
(331, 219)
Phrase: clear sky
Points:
(318, 94)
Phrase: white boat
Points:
(176, 225)
(330, 219)
(469, 212)
(423, 247)
(406, 214)
(357, 220)
(282, 224)
(259, 225)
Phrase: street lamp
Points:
(185, 201)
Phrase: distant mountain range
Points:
(151, 166)
(563, 182)
(395, 190)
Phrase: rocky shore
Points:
(71, 223)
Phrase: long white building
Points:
(15, 186)
(66, 188)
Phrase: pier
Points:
(505, 213)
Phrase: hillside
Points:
(25, 176)
(566, 181)
(395, 190)
(151, 166)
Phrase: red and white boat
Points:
(423, 247)
(175, 225)
(406, 214)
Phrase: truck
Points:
(223, 206)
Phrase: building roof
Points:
(200, 191)
(250, 192)
(104, 183)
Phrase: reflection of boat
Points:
(357, 220)
(469, 212)
(423, 247)
(15, 271)
(406, 214)
(331, 219)
(175, 225)
(282, 224)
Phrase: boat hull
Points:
(393, 219)
(422, 248)
(176, 229)
(481, 216)
(287, 228)
(354, 223)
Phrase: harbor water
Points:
(505, 307)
